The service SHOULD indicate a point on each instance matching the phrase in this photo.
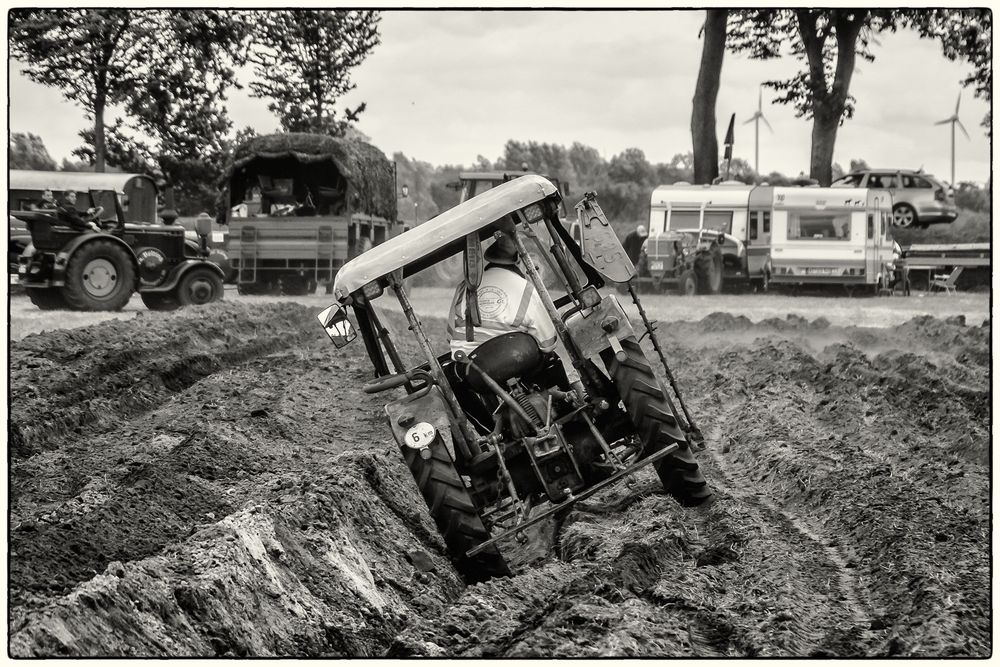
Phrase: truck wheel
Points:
(99, 276)
(199, 286)
(159, 301)
(656, 425)
(454, 513)
(687, 286)
(708, 269)
(48, 298)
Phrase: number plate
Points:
(420, 435)
(656, 266)
(819, 271)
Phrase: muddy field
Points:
(213, 482)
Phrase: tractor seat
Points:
(503, 358)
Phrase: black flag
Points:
(729, 138)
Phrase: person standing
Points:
(633, 243)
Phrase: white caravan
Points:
(831, 236)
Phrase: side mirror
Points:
(337, 326)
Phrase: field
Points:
(213, 482)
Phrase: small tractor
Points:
(68, 266)
(499, 439)
(689, 261)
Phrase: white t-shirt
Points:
(507, 302)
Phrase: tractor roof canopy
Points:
(78, 181)
(444, 235)
(320, 159)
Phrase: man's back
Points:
(507, 302)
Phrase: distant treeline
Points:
(623, 183)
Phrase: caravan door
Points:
(758, 237)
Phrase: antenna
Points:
(755, 119)
(953, 119)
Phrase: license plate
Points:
(656, 266)
(819, 271)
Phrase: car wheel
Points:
(903, 215)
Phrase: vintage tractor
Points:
(499, 438)
(68, 266)
(689, 261)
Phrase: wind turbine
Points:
(755, 119)
(954, 121)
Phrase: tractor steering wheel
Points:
(94, 214)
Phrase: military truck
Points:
(300, 205)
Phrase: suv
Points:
(918, 199)
(491, 434)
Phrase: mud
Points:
(213, 482)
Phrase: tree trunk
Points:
(824, 138)
(705, 142)
(99, 143)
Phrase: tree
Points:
(703, 133)
(190, 71)
(178, 106)
(829, 41)
(27, 151)
(303, 61)
(631, 166)
(93, 56)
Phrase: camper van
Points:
(831, 236)
(737, 211)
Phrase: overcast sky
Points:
(444, 87)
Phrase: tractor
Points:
(499, 439)
(99, 266)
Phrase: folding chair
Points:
(947, 282)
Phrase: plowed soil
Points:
(213, 482)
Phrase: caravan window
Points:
(753, 225)
(684, 219)
(825, 226)
(767, 222)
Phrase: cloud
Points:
(446, 86)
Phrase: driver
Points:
(68, 213)
(507, 302)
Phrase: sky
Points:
(447, 86)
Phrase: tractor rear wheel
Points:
(199, 286)
(656, 424)
(99, 276)
(46, 298)
(454, 512)
(708, 269)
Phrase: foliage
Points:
(971, 196)
(965, 34)
(303, 60)
(95, 57)
(179, 104)
(859, 165)
(27, 151)
(829, 42)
